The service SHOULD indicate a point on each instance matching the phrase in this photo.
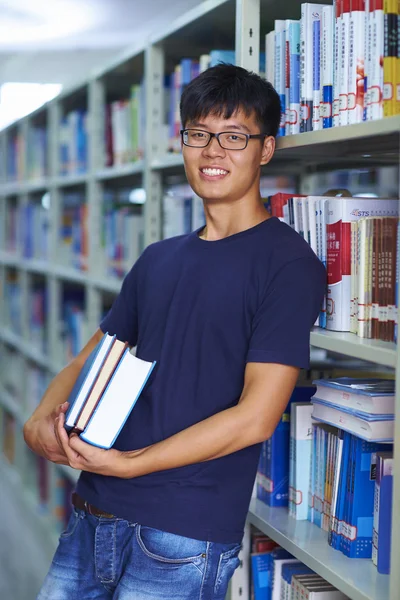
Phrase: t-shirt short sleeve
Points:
(283, 321)
(122, 318)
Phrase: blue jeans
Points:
(113, 559)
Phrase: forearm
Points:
(219, 435)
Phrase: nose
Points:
(213, 148)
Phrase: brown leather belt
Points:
(81, 504)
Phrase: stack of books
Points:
(106, 391)
(364, 408)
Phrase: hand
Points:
(40, 436)
(85, 457)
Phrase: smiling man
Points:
(226, 312)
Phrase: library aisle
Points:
(23, 563)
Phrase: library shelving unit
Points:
(41, 277)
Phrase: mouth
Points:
(213, 173)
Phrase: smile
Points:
(214, 172)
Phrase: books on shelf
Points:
(106, 391)
(371, 396)
(357, 240)
(300, 458)
(73, 143)
(379, 428)
(381, 538)
(348, 61)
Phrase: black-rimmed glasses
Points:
(228, 140)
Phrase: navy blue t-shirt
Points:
(202, 310)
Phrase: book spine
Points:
(356, 66)
(316, 58)
(294, 92)
(337, 62)
(389, 57)
(280, 62)
(327, 67)
(344, 64)
(376, 89)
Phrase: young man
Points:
(226, 312)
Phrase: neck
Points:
(224, 220)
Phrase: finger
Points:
(82, 448)
(64, 440)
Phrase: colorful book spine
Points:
(294, 90)
(327, 48)
(344, 63)
(280, 63)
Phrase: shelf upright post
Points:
(3, 156)
(23, 200)
(94, 198)
(395, 543)
(54, 309)
(154, 78)
(247, 42)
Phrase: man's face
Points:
(216, 174)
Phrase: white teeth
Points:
(214, 172)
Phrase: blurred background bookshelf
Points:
(93, 176)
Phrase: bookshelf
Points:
(224, 24)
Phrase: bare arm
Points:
(266, 392)
(39, 429)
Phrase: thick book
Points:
(103, 377)
(372, 428)
(370, 395)
(86, 379)
(117, 401)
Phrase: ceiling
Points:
(62, 40)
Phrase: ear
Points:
(268, 150)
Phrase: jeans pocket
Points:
(169, 547)
(228, 563)
(71, 525)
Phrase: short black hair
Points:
(224, 89)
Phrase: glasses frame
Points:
(249, 136)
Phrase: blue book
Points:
(260, 574)
(385, 524)
(86, 379)
(222, 56)
(273, 470)
(357, 542)
(117, 401)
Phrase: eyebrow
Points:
(228, 127)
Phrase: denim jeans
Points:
(113, 559)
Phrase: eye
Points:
(197, 135)
(235, 138)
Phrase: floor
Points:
(23, 563)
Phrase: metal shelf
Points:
(168, 161)
(375, 351)
(133, 168)
(34, 355)
(368, 143)
(358, 578)
(70, 180)
(8, 402)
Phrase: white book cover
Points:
(371, 431)
(344, 64)
(376, 88)
(277, 575)
(369, 18)
(357, 61)
(117, 401)
(198, 217)
(337, 61)
(362, 395)
(341, 212)
(302, 444)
